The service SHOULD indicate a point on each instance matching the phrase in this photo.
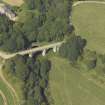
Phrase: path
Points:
(4, 98)
(13, 92)
(32, 50)
(86, 2)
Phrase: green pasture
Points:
(7, 93)
(89, 22)
(16, 84)
(13, 2)
(69, 87)
(1, 100)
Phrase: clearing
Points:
(89, 22)
(69, 87)
(14, 2)
(16, 86)
(1, 100)
(7, 93)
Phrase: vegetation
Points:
(77, 88)
(36, 23)
(90, 25)
(90, 59)
(83, 82)
(81, 77)
(37, 20)
(16, 83)
(73, 48)
(34, 75)
(1, 100)
(8, 93)
(13, 2)
(87, 0)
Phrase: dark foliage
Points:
(39, 20)
(34, 74)
(73, 48)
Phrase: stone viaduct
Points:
(31, 51)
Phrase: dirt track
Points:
(4, 98)
(12, 90)
(88, 2)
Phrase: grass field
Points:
(1, 100)
(16, 84)
(69, 87)
(89, 22)
(14, 2)
(7, 93)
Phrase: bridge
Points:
(54, 46)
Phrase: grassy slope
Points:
(1, 101)
(16, 83)
(89, 21)
(7, 93)
(69, 87)
(14, 2)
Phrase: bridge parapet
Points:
(54, 46)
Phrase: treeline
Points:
(93, 60)
(44, 20)
(83, 59)
(38, 21)
(11, 38)
(72, 48)
(34, 74)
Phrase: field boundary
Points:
(12, 90)
(86, 2)
(4, 98)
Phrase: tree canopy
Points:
(38, 21)
(73, 48)
(34, 75)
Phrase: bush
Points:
(90, 59)
(73, 48)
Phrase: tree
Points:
(45, 67)
(30, 4)
(19, 66)
(34, 76)
(10, 66)
(90, 59)
(49, 15)
(37, 20)
(22, 71)
(5, 24)
(9, 46)
(37, 95)
(73, 48)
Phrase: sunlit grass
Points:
(1, 100)
(14, 2)
(89, 22)
(7, 93)
(69, 87)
